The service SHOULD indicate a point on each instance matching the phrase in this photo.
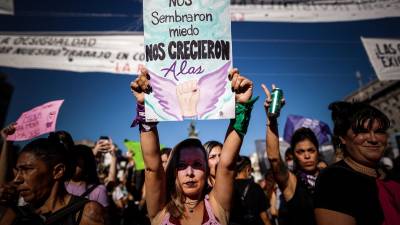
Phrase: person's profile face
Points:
(191, 172)
(213, 159)
(367, 145)
(32, 178)
(164, 160)
(306, 154)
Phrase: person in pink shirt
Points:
(178, 195)
(85, 182)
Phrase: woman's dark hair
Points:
(175, 196)
(353, 115)
(241, 163)
(65, 138)
(51, 151)
(302, 134)
(209, 145)
(89, 170)
(166, 151)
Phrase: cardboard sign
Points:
(188, 54)
(134, 147)
(37, 121)
(384, 55)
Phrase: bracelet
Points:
(141, 119)
(242, 116)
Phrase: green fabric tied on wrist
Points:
(242, 116)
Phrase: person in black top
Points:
(42, 167)
(297, 186)
(250, 204)
(347, 192)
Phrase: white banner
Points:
(313, 10)
(7, 7)
(120, 54)
(384, 55)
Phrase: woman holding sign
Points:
(178, 195)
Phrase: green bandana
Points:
(242, 118)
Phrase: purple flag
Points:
(294, 122)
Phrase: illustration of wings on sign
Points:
(191, 99)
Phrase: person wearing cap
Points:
(250, 204)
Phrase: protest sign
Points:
(37, 121)
(384, 55)
(313, 10)
(294, 122)
(119, 54)
(134, 147)
(188, 55)
(7, 7)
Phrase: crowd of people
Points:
(56, 181)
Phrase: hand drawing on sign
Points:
(192, 98)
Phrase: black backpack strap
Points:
(78, 220)
(26, 216)
(89, 190)
(76, 204)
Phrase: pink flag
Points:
(37, 121)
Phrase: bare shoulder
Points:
(219, 212)
(330, 217)
(93, 213)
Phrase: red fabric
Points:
(389, 197)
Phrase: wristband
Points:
(141, 119)
(242, 116)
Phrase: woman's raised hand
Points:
(141, 85)
(242, 86)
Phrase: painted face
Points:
(213, 159)
(307, 155)
(367, 146)
(192, 172)
(164, 160)
(32, 178)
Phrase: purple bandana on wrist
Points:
(140, 115)
(141, 119)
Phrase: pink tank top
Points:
(212, 220)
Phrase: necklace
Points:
(361, 168)
(191, 205)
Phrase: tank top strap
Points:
(212, 220)
(165, 218)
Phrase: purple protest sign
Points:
(37, 121)
(320, 129)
